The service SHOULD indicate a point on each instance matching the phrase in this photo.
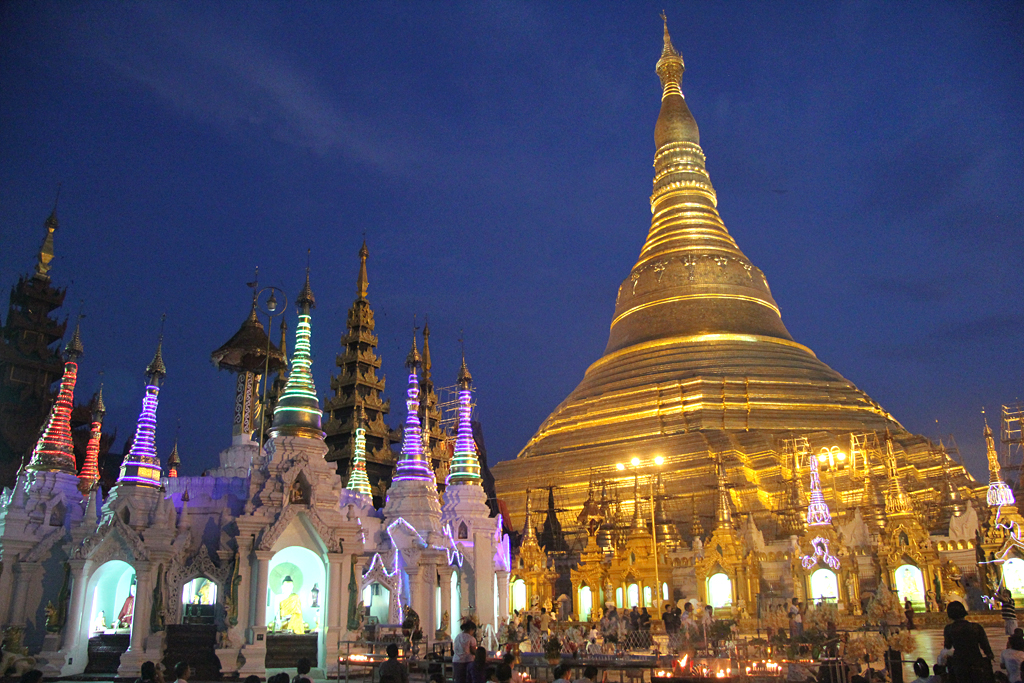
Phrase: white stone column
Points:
(131, 661)
(24, 572)
(262, 577)
(503, 611)
(255, 652)
(333, 605)
(76, 636)
(446, 597)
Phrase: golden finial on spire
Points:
(670, 67)
(46, 250)
(362, 283)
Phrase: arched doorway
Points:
(586, 603)
(719, 590)
(377, 602)
(198, 601)
(910, 585)
(824, 586)
(1013, 576)
(111, 611)
(518, 595)
(632, 595)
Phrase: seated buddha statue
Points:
(289, 610)
(100, 625)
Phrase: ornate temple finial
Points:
(283, 343)
(696, 529)
(529, 532)
(99, 408)
(173, 461)
(362, 283)
(465, 467)
(358, 482)
(670, 66)
(999, 494)
(156, 370)
(413, 464)
(297, 412)
(305, 301)
(896, 499)
(141, 467)
(817, 508)
(46, 250)
(426, 349)
(74, 347)
(953, 497)
(723, 511)
(54, 451)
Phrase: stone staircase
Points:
(195, 644)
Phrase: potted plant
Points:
(553, 650)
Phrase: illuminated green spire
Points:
(298, 410)
(465, 463)
(357, 479)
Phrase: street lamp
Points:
(272, 309)
(635, 465)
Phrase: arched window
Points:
(824, 586)
(463, 530)
(586, 603)
(719, 590)
(633, 595)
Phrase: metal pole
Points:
(654, 541)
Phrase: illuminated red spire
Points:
(90, 473)
(54, 451)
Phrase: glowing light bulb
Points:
(636, 462)
(659, 460)
(619, 466)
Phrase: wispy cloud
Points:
(228, 78)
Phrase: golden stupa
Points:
(699, 365)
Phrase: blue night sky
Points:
(868, 157)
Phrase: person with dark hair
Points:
(908, 611)
(32, 676)
(972, 658)
(463, 651)
(589, 674)
(182, 672)
(938, 673)
(561, 673)
(503, 673)
(1008, 610)
(478, 667)
(921, 670)
(301, 671)
(1012, 658)
(252, 678)
(512, 659)
(392, 667)
(147, 674)
(279, 678)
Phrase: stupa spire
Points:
(173, 461)
(54, 452)
(357, 479)
(465, 463)
(46, 250)
(362, 282)
(896, 499)
(696, 529)
(817, 508)
(412, 464)
(999, 494)
(297, 412)
(90, 473)
(529, 532)
(142, 465)
(723, 511)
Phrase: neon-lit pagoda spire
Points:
(54, 452)
(173, 461)
(999, 494)
(465, 463)
(142, 465)
(896, 499)
(413, 464)
(90, 473)
(297, 412)
(357, 479)
(817, 508)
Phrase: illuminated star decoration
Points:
(820, 546)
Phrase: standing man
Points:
(1009, 612)
(545, 621)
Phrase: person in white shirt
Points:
(545, 620)
(1012, 657)
(182, 672)
(463, 651)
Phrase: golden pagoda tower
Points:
(698, 362)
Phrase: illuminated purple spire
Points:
(142, 465)
(413, 465)
(817, 508)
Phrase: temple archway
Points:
(824, 586)
(719, 590)
(199, 601)
(295, 588)
(112, 593)
(633, 595)
(377, 602)
(1013, 576)
(518, 595)
(910, 584)
(586, 602)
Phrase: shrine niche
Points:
(295, 581)
(112, 588)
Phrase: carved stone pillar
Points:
(503, 610)
(23, 574)
(446, 599)
(262, 578)
(131, 661)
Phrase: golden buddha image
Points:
(289, 610)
